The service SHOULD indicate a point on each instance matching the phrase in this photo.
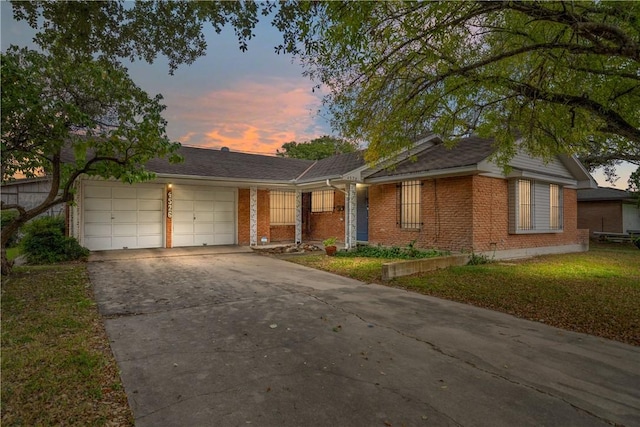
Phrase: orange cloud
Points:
(250, 116)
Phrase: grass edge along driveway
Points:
(57, 365)
(595, 292)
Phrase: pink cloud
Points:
(248, 116)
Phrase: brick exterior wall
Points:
(603, 216)
(491, 219)
(463, 213)
(244, 216)
(320, 225)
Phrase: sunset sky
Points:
(252, 101)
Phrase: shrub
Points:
(408, 252)
(44, 242)
(478, 259)
(7, 217)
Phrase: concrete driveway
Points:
(226, 337)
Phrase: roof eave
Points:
(436, 173)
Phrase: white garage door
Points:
(118, 216)
(203, 216)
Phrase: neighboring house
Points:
(29, 193)
(454, 199)
(608, 210)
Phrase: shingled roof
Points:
(334, 166)
(604, 194)
(466, 152)
(228, 164)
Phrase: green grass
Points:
(13, 253)
(597, 292)
(57, 367)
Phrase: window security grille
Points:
(525, 205)
(555, 207)
(408, 193)
(322, 201)
(282, 207)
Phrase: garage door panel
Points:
(124, 216)
(125, 204)
(203, 206)
(100, 192)
(183, 205)
(97, 204)
(183, 240)
(149, 229)
(150, 205)
(206, 228)
(182, 216)
(180, 194)
(124, 192)
(151, 241)
(150, 216)
(204, 239)
(222, 228)
(97, 216)
(182, 228)
(223, 207)
(125, 230)
(150, 193)
(224, 217)
(225, 196)
(97, 229)
(224, 239)
(204, 195)
(204, 217)
(121, 242)
(98, 243)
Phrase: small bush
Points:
(393, 252)
(7, 217)
(478, 259)
(44, 242)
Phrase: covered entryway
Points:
(203, 216)
(121, 216)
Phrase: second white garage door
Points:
(203, 216)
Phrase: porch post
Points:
(298, 217)
(351, 220)
(253, 216)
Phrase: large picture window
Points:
(535, 207)
(282, 206)
(409, 204)
(322, 201)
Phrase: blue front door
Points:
(362, 232)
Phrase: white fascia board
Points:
(542, 177)
(437, 173)
(224, 182)
(578, 170)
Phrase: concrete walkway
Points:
(230, 339)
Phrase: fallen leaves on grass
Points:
(57, 366)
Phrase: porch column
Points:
(298, 217)
(253, 216)
(351, 217)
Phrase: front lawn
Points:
(597, 292)
(57, 366)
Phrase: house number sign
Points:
(169, 204)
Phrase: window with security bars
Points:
(322, 201)
(409, 204)
(282, 206)
(555, 207)
(525, 205)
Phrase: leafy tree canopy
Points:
(317, 149)
(141, 30)
(66, 118)
(562, 77)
